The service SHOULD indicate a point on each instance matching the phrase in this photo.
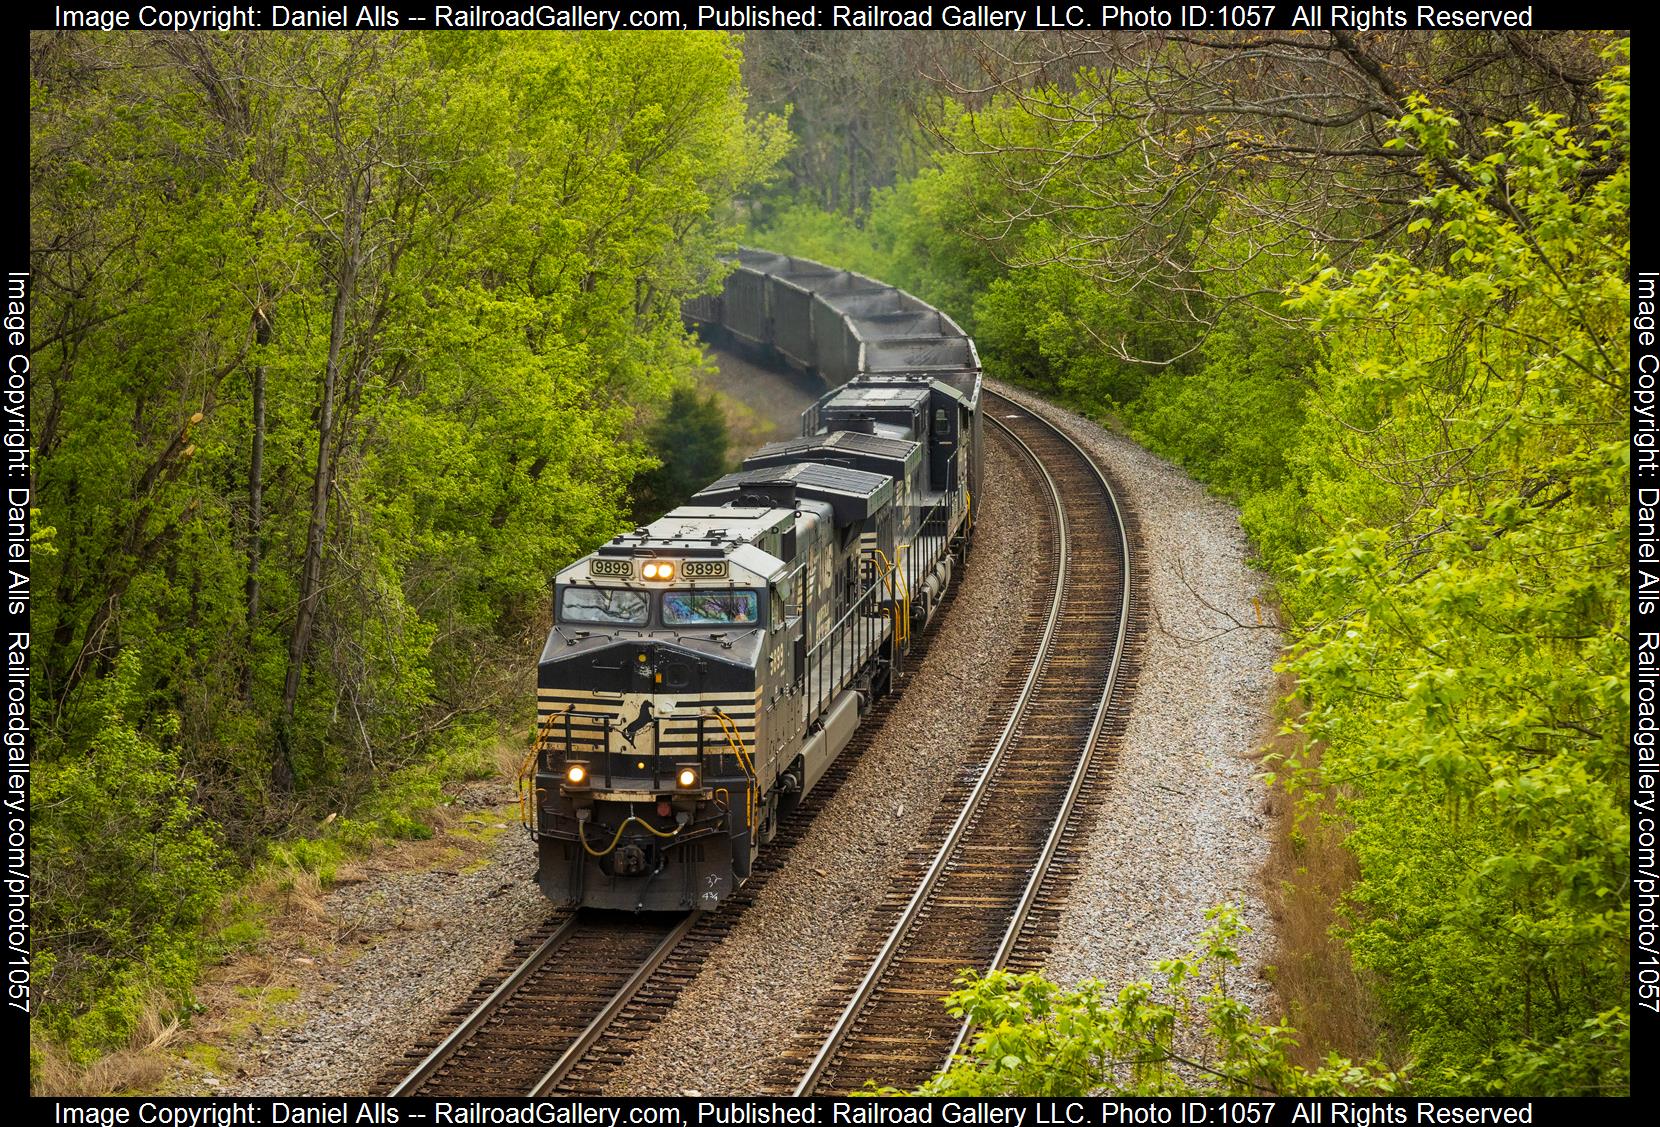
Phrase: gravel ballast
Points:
(411, 945)
(1183, 827)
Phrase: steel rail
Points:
(584, 1041)
(614, 1008)
(1040, 872)
(509, 986)
(913, 908)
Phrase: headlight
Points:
(658, 569)
(576, 774)
(687, 777)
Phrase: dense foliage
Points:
(691, 440)
(1185, 1035)
(1428, 447)
(344, 343)
(1464, 637)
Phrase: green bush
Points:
(125, 872)
(1185, 1035)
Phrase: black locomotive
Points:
(704, 670)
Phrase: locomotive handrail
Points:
(737, 743)
(525, 784)
(543, 741)
(899, 592)
(848, 624)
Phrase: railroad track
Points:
(990, 892)
(544, 1025)
(530, 1030)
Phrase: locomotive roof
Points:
(747, 536)
(878, 394)
(853, 495)
(963, 384)
(849, 444)
(700, 526)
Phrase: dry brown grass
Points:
(289, 892)
(1308, 873)
(508, 751)
(135, 1068)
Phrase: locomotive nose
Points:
(656, 669)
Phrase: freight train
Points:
(704, 670)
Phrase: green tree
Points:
(690, 439)
(344, 340)
(1466, 647)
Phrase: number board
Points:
(704, 569)
(611, 569)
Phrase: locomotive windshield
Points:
(710, 608)
(609, 606)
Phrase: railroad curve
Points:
(991, 889)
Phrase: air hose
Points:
(582, 835)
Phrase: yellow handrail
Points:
(526, 782)
(904, 623)
(736, 742)
(526, 785)
(902, 600)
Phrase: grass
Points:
(135, 1068)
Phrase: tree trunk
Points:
(311, 577)
(256, 489)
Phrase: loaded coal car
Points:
(704, 670)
